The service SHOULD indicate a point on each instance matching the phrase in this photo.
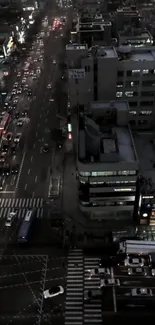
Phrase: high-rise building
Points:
(108, 73)
(107, 162)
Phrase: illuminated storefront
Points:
(9, 46)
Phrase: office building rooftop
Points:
(104, 134)
(135, 32)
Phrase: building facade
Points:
(107, 163)
(108, 73)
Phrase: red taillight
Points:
(70, 136)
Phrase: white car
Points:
(134, 261)
(109, 282)
(137, 271)
(54, 62)
(153, 272)
(53, 292)
(10, 218)
(99, 271)
(49, 86)
(141, 292)
(17, 137)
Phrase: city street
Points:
(23, 279)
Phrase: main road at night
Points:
(35, 171)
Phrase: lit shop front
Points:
(9, 46)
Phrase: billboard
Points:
(9, 47)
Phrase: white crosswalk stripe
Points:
(21, 203)
(4, 212)
(92, 312)
(74, 294)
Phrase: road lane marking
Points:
(114, 292)
(20, 171)
(36, 178)
(13, 180)
(31, 158)
(29, 171)
(7, 192)
(33, 282)
(38, 125)
(25, 187)
(29, 272)
(34, 145)
(36, 134)
(33, 195)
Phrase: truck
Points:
(141, 247)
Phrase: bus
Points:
(141, 247)
(26, 226)
(4, 123)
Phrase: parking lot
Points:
(23, 278)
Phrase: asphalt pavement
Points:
(36, 167)
(23, 279)
(27, 271)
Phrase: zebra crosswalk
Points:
(78, 311)
(74, 294)
(22, 204)
(92, 312)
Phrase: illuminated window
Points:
(129, 93)
(124, 189)
(120, 84)
(119, 94)
(146, 71)
(132, 112)
(135, 72)
(145, 113)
